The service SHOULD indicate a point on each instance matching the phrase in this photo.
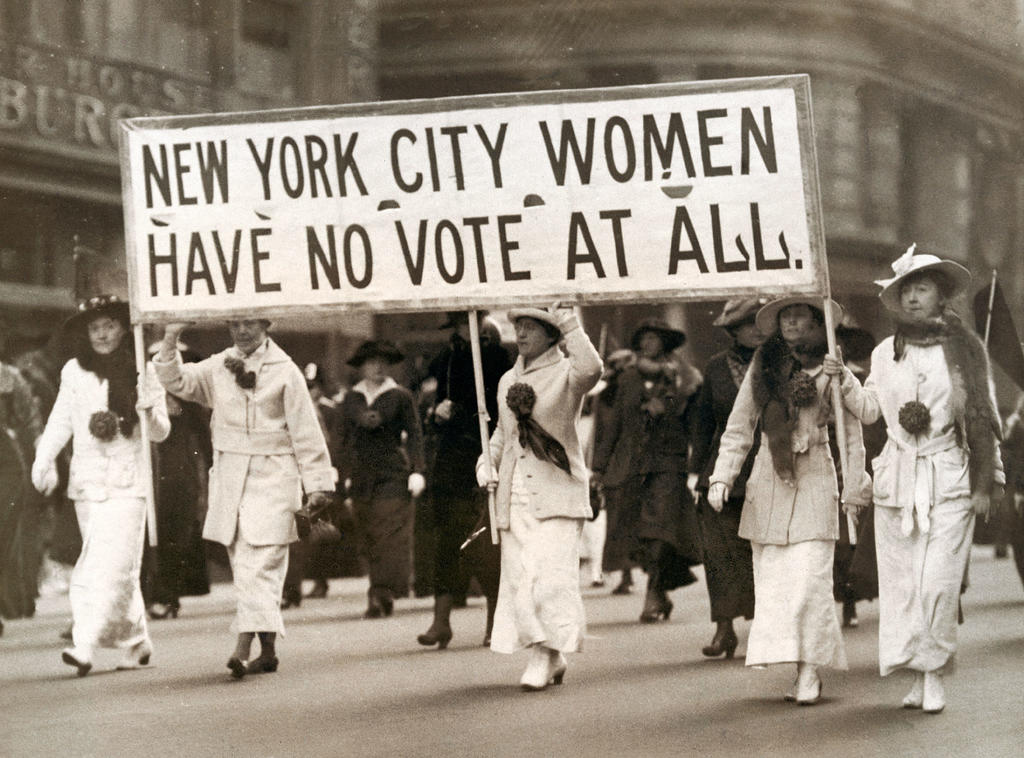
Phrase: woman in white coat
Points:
(940, 467)
(97, 410)
(790, 510)
(543, 494)
(268, 448)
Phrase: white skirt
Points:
(539, 598)
(106, 603)
(794, 612)
(258, 572)
(919, 578)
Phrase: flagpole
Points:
(481, 414)
(147, 459)
(991, 301)
(837, 404)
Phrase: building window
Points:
(183, 37)
(57, 22)
(268, 47)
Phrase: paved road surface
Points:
(352, 687)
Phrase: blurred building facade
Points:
(69, 69)
(918, 108)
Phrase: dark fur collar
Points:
(976, 422)
(773, 365)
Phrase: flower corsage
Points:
(915, 417)
(803, 392)
(245, 379)
(103, 425)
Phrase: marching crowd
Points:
(736, 468)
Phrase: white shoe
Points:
(538, 671)
(808, 685)
(136, 656)
(915, 697)
(934, 699)
(558, 666)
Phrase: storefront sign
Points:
(77, 100)
(664, 192)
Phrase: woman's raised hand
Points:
(564, 317)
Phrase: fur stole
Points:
(976, 423)
(773, 366)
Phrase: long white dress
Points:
(539, 598)
(108, 485)
(923, 517)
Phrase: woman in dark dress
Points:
(383, 473)
(20, 554)
(177, 566)
(455, 500)
(728, 564)
(650, 429)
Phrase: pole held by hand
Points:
(481, 414)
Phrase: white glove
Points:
(481, 477)
(444, 410)
(44, 476)
(691, 484)
(718, 493)
(416, 484)
(147, 394)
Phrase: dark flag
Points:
(1003, 343)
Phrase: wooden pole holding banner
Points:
(147, 458)
(991, 302)
(481, 414)
(837, 406)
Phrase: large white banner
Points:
(664, 192)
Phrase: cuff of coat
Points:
(568, 323)
(167, 372)
(320, 480)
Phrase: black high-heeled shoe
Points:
(291, 598)
(239, 668)
(724, 641)
(262, 665)
(440, 638)
(656, 606)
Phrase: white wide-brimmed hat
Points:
(767, 319)
(537, 314)
(912, 262)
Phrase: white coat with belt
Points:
(560, 384)
(267, 443)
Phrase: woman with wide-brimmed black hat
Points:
(383, 473)
(728, 565)
(642, 456)
(939, 469)
(455, 501)
(98, 406)
(790, 511)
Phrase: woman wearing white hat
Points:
(790, 512)
(543, 494)
(939, 468)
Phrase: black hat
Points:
(97, 307)
(376, 349)
(670, 338)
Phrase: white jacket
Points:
(99, 470)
